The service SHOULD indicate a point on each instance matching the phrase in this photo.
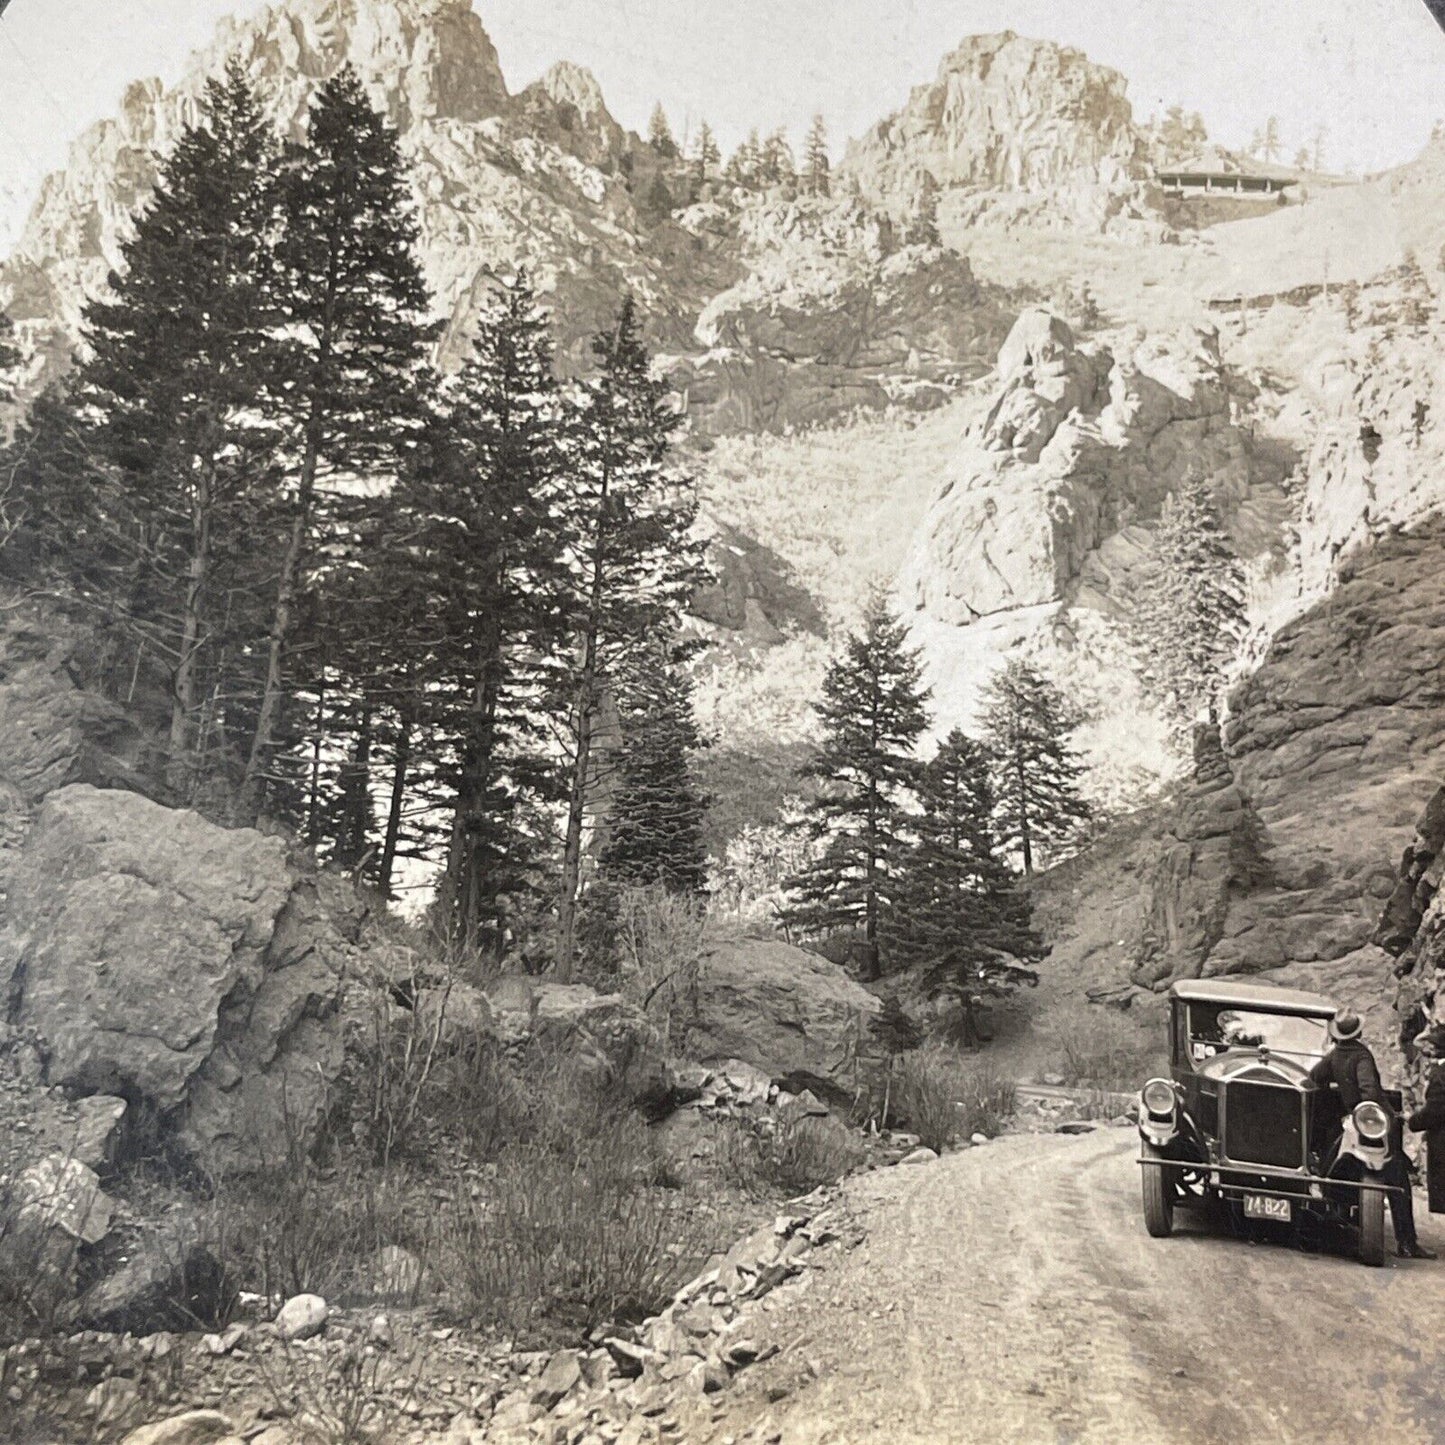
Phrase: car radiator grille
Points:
(1263, 1125)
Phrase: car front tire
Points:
(1372, 1227)
(1158, 1196)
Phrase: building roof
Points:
(1216, 161)
(1250, 995)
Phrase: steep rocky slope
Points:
(1038, 532)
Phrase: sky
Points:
(1371, 73)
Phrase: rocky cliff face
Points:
(1037, 533)
(499, 181)
(1080, 447)
(1009, 115)
(1412, 930)
(1378, 458)
(1281, 862)
(830, 315)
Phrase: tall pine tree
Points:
(874, 711)
(961, 913)
(659, 134)
(633, 566)
(1036, 772)
(706, 155)
(1191, 617)
(655, 824)
(351, 368)
(817, 169)
(177, 354)
(477, 513)
(775, 159)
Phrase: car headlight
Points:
(1158, 1096)
(1372, 1121)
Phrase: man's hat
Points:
(1431, 1043)
(1345, 1026)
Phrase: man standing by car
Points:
(1429, 1118)
(1351, 1068)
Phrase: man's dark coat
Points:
(1429, 1119)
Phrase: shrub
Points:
(356, 1397)
(794, 1156)
(659, 939)
(943, 1099)
(303, 1230)
(569, 1245)
(1110, 1053)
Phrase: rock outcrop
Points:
(1006, 114)
(832, 315)
(1330, 745)
(54, 730)
(1378, 458)
(1212, 854)
(176, 963)
(791, 1014)
(1039, 533)
(1412, 930)
(1046, 498)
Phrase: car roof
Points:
(1264, 995)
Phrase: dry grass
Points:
(37, 1272)
(1110, 1054)
(569, 1244)
(791, 1156)
(943, 1098)
(535, 1201)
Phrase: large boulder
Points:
(788, 1012)
(603, 1032)
(163, 958)
(53, 731)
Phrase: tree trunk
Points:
(576, 810)
(180, 769)
(356, 797)
(254, 783)
(1025, 837)
(465, 879)
(313, 797)
(400, 763)
(582, 762)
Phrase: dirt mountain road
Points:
(1009, 1293)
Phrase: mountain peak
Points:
(1004, 112)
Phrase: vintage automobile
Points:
(1240, 1124)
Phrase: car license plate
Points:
(1266, 1206)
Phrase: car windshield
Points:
(1215, 1027)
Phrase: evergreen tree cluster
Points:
(413, 616)
(912, 858)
